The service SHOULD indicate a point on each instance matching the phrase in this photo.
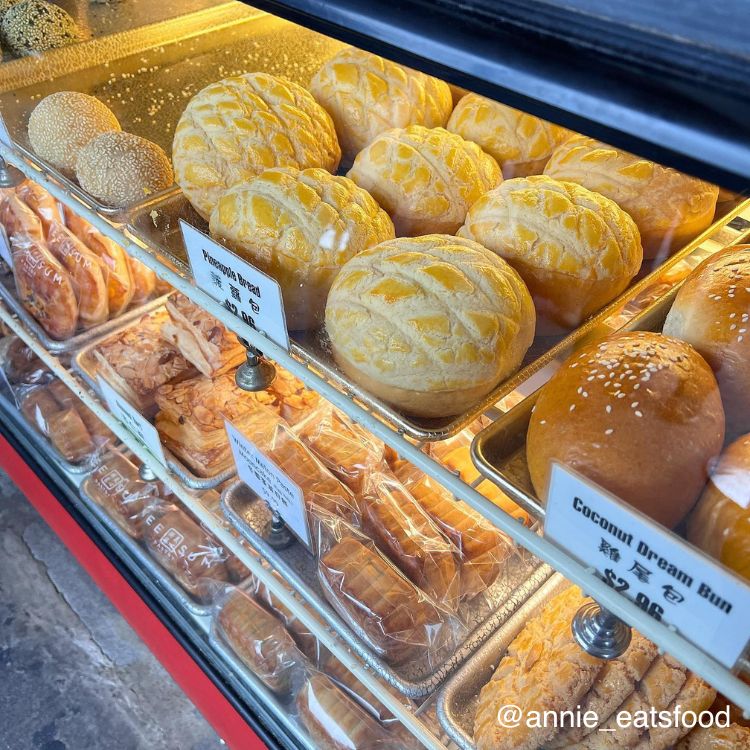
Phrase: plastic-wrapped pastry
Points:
(576, 250)
(20, 364)
(669, 207)
(333, 720)
(120, 286)
(426, 179)
(299, 227)
(482, 549)
(520, 143)
(18, 219)
(396, 620)
(100, 434)
(345, 449)
(138, 360)
(41, 203)
(720, 522)
(438, 325)
(203, 341)
(234, 129)
(116, 485)
(261, 642)
(69, 435)
(320, 488)
(186, 550)
(44, 287)
(38, 406)
(366, 94)
(191, 418)
(87, 271)
(144, 281)
(406, 535)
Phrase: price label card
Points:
(262, 475)
(5, 251)
(134, 421)
(244, 290)
(5, 138)
(666, 577)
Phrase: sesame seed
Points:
(732, 327)
(609, 431)
(572, 407)
(638, 414)
(634, 404)
(732, 315)
(608, 409)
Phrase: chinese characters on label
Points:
(666, 577)
(270, 483)
(241, 288)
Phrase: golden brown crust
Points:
(733, 737)
(712, 313)
(18, 218)
(614, 406)
(40, 202)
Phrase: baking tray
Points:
(86, 366)
(499, 450)
(457, 701)
(156, 226)
(297, 566)
(9, 296)
(85, 466)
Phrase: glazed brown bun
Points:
(720, 523)
(712, 313)
(639, 414)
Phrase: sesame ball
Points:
(33, 26)
(63, 123)
(120, 169)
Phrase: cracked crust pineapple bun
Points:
(520, 143)
(429, 324)
(63, 123)
(425, 178)
(366, 94)
(575, 249)
(669, 207)
(300, 227)
(233, 130)
(638, 413)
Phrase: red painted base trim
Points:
(219, 712)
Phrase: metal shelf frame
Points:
(666, 637)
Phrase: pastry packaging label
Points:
(143, 431)
(5, 252)
(665, 576)
(270, 483)
(244, 290)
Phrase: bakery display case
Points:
(383, 385)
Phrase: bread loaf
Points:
(299, 227)
(233, 130)
(41, 203)
(520, 143)
(720, 523)
(576, 250)
(712, 313)
(426, 179)
(366, 94)
(429, 324)
(639, 414)
(669, 207)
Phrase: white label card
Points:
(133, 420)
(244, 290)
(269, 482)
(5, 138)
(666, 577)
(5, 252)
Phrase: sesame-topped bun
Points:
(520, 143)
(426, 179)
(712, 313)
(63, 123)
(430, 324)
(300, 227)
(669, 207)
(32, 26)
(639, 414)
(234, 129)
(576, 250)
(366, 94)
(720, 523)
(120, 169)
